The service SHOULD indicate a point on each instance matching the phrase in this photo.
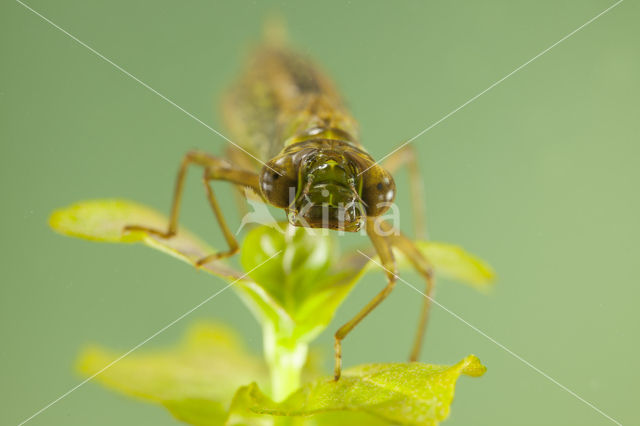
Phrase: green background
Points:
(539, 176)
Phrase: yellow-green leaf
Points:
(198, 412)
(345, 418)
(105, 220)
(302, 279)
(209, 366)
(454, 262)
(448, 260)
(407, 394)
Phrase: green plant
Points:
(293, 286)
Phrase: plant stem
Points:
(285, 358)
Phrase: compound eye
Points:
(277, 186)
(378, 191)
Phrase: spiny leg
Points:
(407, 155)
(192, 157)
(215, 169)
(242, 160)
(383, 248)
(422, 265)
(222, 171)
(228, 235)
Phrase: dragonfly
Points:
(297, 148)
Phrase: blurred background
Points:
(539, 176)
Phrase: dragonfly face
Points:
(329, 196)
(321, 186)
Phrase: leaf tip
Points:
(59, 220)
(471, 366)
(90, 360)
(101, 220)
(54, 219)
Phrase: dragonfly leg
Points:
(215, 172)
(239, 158)
(383, 248)
(215, 169)
(422, 265)
(407, 155)
(192, 157)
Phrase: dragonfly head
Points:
(327, 186)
